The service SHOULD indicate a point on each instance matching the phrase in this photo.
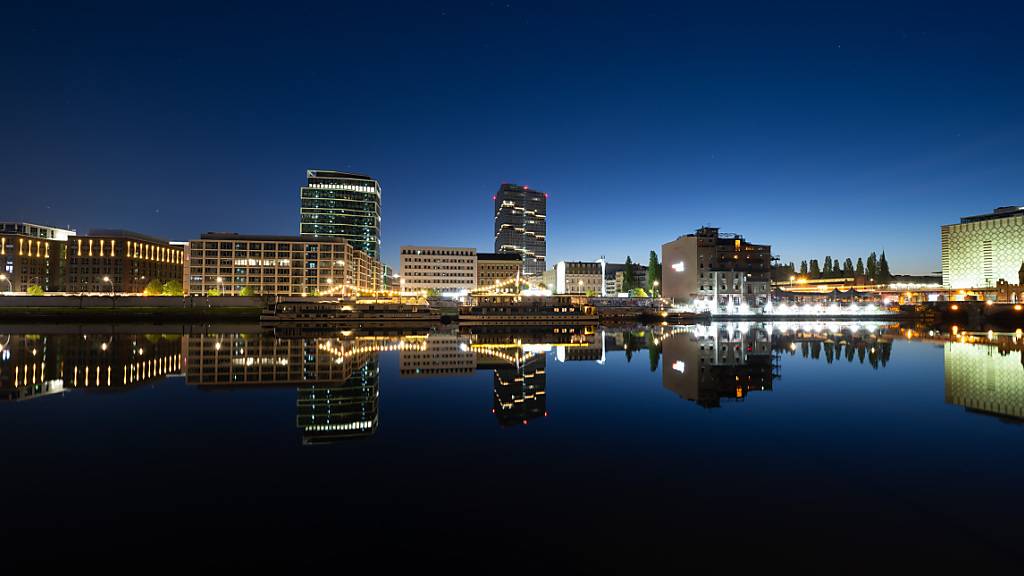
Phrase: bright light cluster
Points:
(708, 306)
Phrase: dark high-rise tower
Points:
(341, 205)
(520, 225)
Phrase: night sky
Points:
(822, 129)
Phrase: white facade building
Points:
(449, 270)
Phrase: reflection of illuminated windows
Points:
(986, 378)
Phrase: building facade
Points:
(279, 266)
(32, 254)
(440, 355)
(441, 268)
(341, 205)
(121, 262)
(615, 275)
(576, 278)
(981, 250)
(520, 225)
(494, 269)
(718, 272)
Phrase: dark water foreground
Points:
(570, 450)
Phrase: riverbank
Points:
(130, 308)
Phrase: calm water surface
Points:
(574, 449)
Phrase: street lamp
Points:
(10, 286)
(107, 280)
(220, 285)
(656, 283)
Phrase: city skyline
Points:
(777, 122)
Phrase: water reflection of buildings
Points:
(337, 380)
(517, 361)
(708, 364)
(985, 374)
(33, 366)
(836, 343)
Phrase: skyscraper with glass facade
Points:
(341, 205)
(520, 225)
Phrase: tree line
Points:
(875, 270)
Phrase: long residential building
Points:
(341, 205)
(120, 261)
(32, 254)
(441, 268)
(279, 266)
(720, 272)
(981, 250)
(520, 225)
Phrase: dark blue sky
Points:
(820, 128)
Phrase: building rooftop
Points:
(337, 174)
(1001, 212)
(266, 237)
(58, 232)
(510, 256)
(107, 233)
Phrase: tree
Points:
(172, 288)
(433, 293)
(815, 271)
(803, 267)
(860, 267)
(35, 290)
(628, 278)
(653, 350)
(883, 269)
(872, 267)
(826, 272)
(246, 291)
(154, 288)
(638, 293)
(213, 292)
(836, 271)
(653, 272)
(848, 268)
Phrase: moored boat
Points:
(515, 310)
(331, 313)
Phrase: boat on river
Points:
(517, 310)
(329, 314)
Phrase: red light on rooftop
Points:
(545, 195)
(495, 197)
(526, 187)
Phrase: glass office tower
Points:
(342, 205)
(520, 225)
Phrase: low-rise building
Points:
(497, 269)
(615, 275)
(32, 255)
(576, 278)
(719, 272)
(279, 266)
(442, 268)
(121, 262)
